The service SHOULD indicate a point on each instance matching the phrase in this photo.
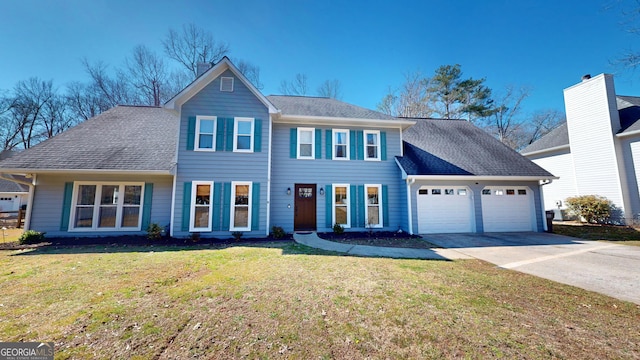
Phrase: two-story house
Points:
(220, 157)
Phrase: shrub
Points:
(338, 229)
(31, 237)
(154, 231)
(237, 235)
(277, 232)
(593, 209)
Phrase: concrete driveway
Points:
(607, 268)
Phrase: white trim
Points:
(268, 227)
(332, 121)
(192, 206)
(410, 204)
(97, 205)
(348, 204)
(626, 134)
(365, 145)
(401, 143)
(233, 205)
(222, 79)
(89, 171)
(173, 205)
(334, 144)
(196, 143)
(313, 143)
(380, 205)
(235, 134)
(27, 216)
(481, 177)
(551, 149)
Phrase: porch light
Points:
(289, 191)
(321, 192)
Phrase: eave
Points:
(548, 150)
(327, 120)
(19, 171)
(481, 177)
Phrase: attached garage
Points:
(508, 208)
(445, 209)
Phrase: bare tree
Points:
(8, 129)
(331, 89)
(503, 122)
(251, 72)
(148, 75)
(85, 100)
(113, 90)
(541, 123)
(299, 86)
(192, 45)
(411, 100)
(30, 98)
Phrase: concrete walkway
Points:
(312, 240)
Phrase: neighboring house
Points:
(12, 195)
(597, 150)
(220, 157)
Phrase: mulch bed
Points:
(379, 238)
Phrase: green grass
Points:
(624, 234)
(282, 300)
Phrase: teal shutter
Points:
(66, 206)
(361, 145)
(217, 203)
(257, 135)
(353, 204)
(146, 210)
(191, 132)
(383, 145)
(329, 153)
(255, 207)
(293, 143)
(362, 206)
(352, 145)
(229, 134)
(329, 205)
(226, 207)
(220, 134)
(186, 206)
(385, 205)
(318, 144)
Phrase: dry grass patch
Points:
(625, 235)
(10, 235)
(289, 301)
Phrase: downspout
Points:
(269, 177)
(32, 186)
(173, 205)
(541, 192)
(410, 181)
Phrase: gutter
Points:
(482, 178)
(551, 149)
(304, 119)
(630, 133)
(89, 171)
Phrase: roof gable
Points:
(554, 139)
(214, 72)
(457, 147)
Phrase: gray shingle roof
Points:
(127, 138)
(7, 186)
(457, 147)
(554, 138)
(325, 107)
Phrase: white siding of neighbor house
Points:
(592, 121)
(559, 164)
(631, 151)
(49, 194)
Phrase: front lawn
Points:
(284, 300)
(624, 234)
(10, 235)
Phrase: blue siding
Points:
(286, 172)
(224, 166)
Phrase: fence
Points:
(12, 219)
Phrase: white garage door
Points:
(6, 204)
(507, 209)
(444, 210)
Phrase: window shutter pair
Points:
(357, 203)
(293, 143)
(224, 134)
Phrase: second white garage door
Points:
(443, 209)
(507, 209)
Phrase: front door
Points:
(305, 207)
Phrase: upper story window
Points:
(306, 143)
(226, 84)
(107, 206)
(243, 134)
(340, 144)
(205, 133)
(372, 145)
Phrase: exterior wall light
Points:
(289, 191)
(321, 192)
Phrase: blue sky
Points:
(546, 45)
